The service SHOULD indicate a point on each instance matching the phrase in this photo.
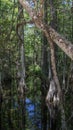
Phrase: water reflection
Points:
(34, 115)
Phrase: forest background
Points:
(26, 65)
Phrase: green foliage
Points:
(9, 59)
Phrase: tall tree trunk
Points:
(53, 23)
(53, 62)
(1, 100)
(45, 72)
(21, 69)
(72, 20)
(43, 83)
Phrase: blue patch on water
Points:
(30, 107)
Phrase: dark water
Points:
(34, 114)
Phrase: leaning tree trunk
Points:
(65, 45)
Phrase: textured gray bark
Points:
(21, 70)
(64, 44)
(21, 52)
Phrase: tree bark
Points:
(64, 44)
(21, 70)
(53, 63)
(44, 109)
(1, 100)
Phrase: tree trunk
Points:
(21, 71)
(65, 45)
(43, 83)
(1, 100)
(54, 115)
(53, 62)
(45, 72)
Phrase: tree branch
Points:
(64, 44)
